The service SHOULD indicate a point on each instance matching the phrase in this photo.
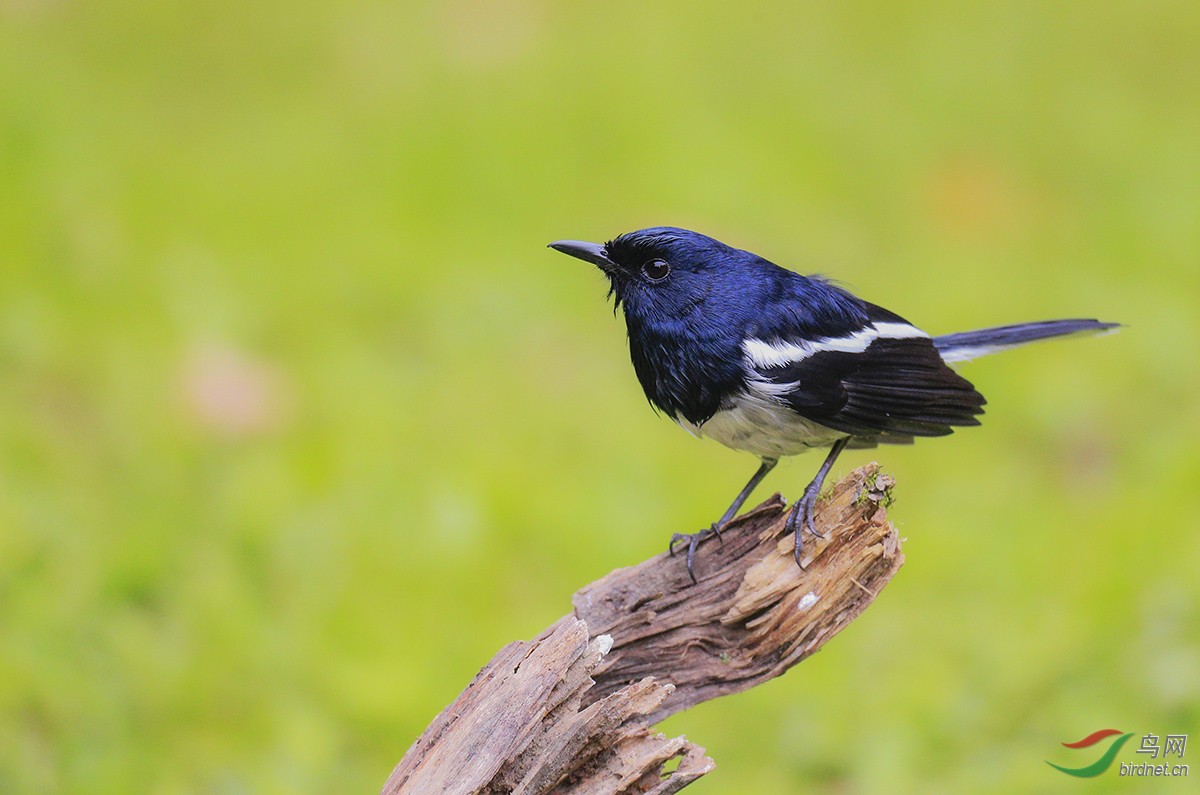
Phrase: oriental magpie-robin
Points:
(765, 360)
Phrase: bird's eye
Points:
(656, 270)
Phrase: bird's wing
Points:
(885, 379)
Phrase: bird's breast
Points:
(686, 375)
(759, 425)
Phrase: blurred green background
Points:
(301, 421)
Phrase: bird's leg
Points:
(801, 516)
(694, 539)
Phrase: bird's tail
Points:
(971, 344)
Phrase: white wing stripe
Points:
(898, 331)
(761, 353)
(774, 354)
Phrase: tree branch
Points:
(570, 711)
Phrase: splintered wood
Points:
(570, 711)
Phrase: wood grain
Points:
(570, 712)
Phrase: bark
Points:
(572, 711)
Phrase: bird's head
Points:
(664, 271)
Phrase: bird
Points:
(765, 360)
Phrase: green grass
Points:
(302, 422)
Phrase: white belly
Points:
(759, 425)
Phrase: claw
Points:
(808, 501)
(799, 520)
(810, 523)
(693, 540)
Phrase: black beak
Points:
(588, 252)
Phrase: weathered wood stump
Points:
(571, 711)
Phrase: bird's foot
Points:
(801, 518)
(693, 541)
